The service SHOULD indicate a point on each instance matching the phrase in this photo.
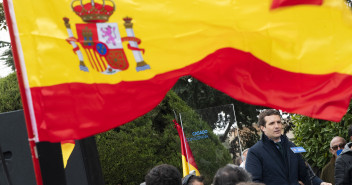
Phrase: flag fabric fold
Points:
(89, 66)
(188, 162)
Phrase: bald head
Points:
(338, 139)
(337, 143)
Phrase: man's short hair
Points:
(350, 132)
(231, 174)
(195, 178)
(267, 112)
(163, 174)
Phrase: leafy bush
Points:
(128, 152)
(315, 136)
(10, 98)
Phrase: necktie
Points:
(279, 146)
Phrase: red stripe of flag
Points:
(82, 107)
(283, 3)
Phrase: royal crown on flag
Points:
(101, 40)
(93, 12)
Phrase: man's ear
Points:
(350, 139)
(262, 127)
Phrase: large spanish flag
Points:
(89, 66)
(188, 162)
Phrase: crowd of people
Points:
(166, 174)
(273, 160)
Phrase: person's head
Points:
(244, 154)
(350, 133)
(193, 180)
(270, 123)
(163, 174)
(337, 143)
(231, 174)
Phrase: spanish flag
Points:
(89, 66)
(188, 162)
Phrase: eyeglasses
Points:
(341, 146)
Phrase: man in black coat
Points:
(343, 164)
(271, 160)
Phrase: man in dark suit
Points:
(271, 160)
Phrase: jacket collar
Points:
(266, 139)
(347, 148)
(280, 160)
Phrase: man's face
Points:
(273, 127)
(336, 144)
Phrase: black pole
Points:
(51, 163)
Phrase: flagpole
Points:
(184, 141)
(20, 80)
(238, 132)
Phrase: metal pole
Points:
(31, 136)
(184, 141)
(238, 133)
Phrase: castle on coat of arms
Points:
(100, 40)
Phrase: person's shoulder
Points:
(287, 141)
(290, 144)
(328, 166)
(344, 158)
(341, 160)
(256, 146)
(345, 155)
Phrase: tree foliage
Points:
(315, 135)
(199, 96)
(10, 98)
(7, 57)
(128, 152)
(2, 18)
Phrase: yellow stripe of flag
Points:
(175, 34)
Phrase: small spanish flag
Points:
(188, 162)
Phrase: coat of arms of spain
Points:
(101, 40)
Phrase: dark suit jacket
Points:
(267, 165)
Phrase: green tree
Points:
(10, 98)
(200, 96)
(349, 3)
(315, 135)
(129, 151)
(2, 18)
(7, 57)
